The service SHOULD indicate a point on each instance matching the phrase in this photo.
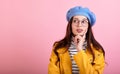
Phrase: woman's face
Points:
(79, 25)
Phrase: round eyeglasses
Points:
(83, 22)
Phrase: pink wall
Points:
(28, 28)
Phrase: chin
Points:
(78, 34)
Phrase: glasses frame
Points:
(84, 22)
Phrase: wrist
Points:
(79, 48)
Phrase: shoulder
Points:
(97, 52)
(59, 50)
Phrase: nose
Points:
(79, 24)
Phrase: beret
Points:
(78, 10)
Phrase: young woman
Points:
(78, 52)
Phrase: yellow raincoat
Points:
(83, 60)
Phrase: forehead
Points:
(80, 17)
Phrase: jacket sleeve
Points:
(85, 66)
(53, 67)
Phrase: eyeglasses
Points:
(83, 22)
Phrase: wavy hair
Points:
(66, 41)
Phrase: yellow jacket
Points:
(83, 60)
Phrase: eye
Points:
(84, 21)
(75, 21)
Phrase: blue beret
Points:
(78, 10)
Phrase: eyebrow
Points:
(82, 19)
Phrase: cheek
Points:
(85, 30)
(73, 29)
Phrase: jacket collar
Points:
(62, 50)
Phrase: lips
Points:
(79, 30)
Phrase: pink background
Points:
(28, 29)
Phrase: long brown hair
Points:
(65, 42)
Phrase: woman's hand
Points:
(79, 40)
